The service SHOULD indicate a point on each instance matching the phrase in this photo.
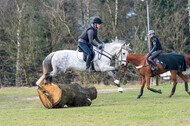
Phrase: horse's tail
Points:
(187, 60)
(46, 64)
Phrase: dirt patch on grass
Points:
(114, 90)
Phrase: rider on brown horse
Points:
(156, 49)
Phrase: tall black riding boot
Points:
(155, 66)
(88, 64)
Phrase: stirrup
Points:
(154, 68)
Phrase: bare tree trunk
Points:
(113, 19)
(116, 13)
(87, 12)
(18, 61)
(62, 17)
(25, 70)
(189, 13)
(64, 21)
(82, 15)
(0, 81)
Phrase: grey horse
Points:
(56, 63)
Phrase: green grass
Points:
(109, 109)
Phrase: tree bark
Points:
(87, 12)
(189, 13)
(18, 61)
(71, 95)
(114, 18)
(0, 81)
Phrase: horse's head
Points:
(118, 48)
(124, 51)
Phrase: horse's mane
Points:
(136, 54)
(136, 58)
(116, 42)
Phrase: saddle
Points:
(155, 59)
(82, 56)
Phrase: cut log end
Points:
(50, 94)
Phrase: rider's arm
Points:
(98, 40)
(153, 48)
(90, 37)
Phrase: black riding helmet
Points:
(97, 20)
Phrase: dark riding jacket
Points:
(156, 46)
(89, 35)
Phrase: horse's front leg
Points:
(116, 79)
(151, 89)
(142, 87)
(173, 76)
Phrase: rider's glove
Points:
(100, 47)
(148, 54)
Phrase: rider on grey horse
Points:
(86, 43)
(156, 48)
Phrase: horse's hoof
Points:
(138, 97)
(188, 93)
(116, 82)
(120, 90)
(159, 91)
(169, 96)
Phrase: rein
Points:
(112, 57)
(142, 66)
(104, 54)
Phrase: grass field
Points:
(20, 107)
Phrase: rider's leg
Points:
(153, 63)
(88, 61)
(86, 49)
(151, 58)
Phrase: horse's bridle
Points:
(113, 57)
(120, 53)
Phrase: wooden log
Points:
(72, 95)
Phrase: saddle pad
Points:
(173, 61)
(80, 56)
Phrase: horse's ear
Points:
(128, 47)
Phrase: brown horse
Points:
(140, 61)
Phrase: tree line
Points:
(31, 29)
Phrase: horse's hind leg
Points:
(49, 75)
(42, 78)
(180, 74)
